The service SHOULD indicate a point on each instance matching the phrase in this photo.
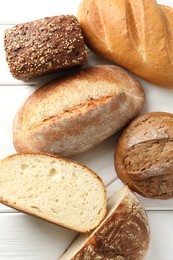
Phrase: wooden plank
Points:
(100, 159)
(5, 209)
(17, 11)
(11, 98)
(25, 237)
(161, 235)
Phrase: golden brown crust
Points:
(144, 155)
(43, 46)
(54, 121)
(128, 32)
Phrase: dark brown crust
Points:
(44, 46)
(125, 234)
(144, 155)
(12, 205)
(81, 126)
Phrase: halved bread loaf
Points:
(71, 114)
(123, 234)
(55, 189)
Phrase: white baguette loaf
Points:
(76, 112)
(138, 35)
(58, 190)
(123, 234)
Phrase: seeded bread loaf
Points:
(43, 46)
(123, 235)
(144, 155)
(58, 190)
(71, 114)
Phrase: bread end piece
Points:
(44, 46)
(123, 234)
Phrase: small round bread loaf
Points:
(43, 46)
(144, 155)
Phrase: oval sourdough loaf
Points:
(123, 234)
(144, 155)
(43, 46)
(73, 113)
(58, 190)
(137, 35)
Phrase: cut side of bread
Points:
(58, 190)
(123, 234)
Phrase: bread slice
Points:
(55, 189)
(123, 234)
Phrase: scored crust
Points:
(54, 121)
(144, 155)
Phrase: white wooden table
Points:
(25, 237)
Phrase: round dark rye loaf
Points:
(43, 46)
(144, 155)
